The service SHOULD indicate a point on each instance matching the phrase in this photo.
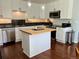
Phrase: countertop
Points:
(35, 31)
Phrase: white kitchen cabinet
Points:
(34, 44)
(1, 41)
(18, 33)
(61, 34)
(66, 9)
(59, 37)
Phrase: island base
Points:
(35, 44)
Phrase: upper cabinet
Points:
(36, 11)
(6, 7)
(65, 6)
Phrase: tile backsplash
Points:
(60, 21)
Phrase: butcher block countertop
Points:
(37, 31)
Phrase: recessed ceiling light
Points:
(43, 7)
(29, 4)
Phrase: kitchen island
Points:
(36, 41)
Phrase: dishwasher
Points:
(8, 36)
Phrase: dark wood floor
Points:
(58, 51)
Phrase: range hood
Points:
(19, 10)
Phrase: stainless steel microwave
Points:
(55, 14)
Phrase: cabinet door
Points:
(60, 35)
(1, 42)
(17, 35)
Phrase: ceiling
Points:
(40, 1)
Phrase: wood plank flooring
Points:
(57, 51)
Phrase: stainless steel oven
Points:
(20, 22)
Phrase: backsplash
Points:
(54, 21)
(60, 21)
(36, 20)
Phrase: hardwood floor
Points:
(57, 51)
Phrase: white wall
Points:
(8, 5)
(75, 20)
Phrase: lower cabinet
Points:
(61, 34)
(17, 35)
(1, 41)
